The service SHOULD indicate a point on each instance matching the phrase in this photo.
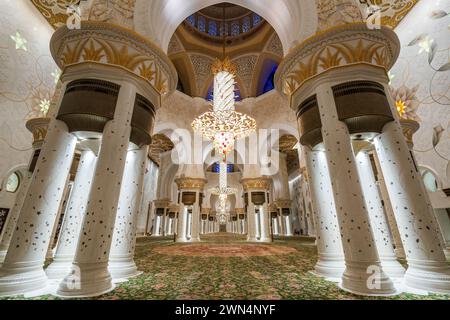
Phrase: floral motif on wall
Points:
(55, 11)
(406, 102)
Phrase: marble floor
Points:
(226, 267)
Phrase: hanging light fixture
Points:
(223, 125)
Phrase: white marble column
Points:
(75, 211)
(22, 270)
(90, 265)
(330, 263)
(361, 256)
(14, 215)
(428, 268)
(265, 223)
(195, 220)
(121, 257)
(287, 220)
(378, 221)
(251, 220)
(182, 224)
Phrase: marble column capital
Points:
(38, 127)
(110, 44)
(186, 183)
(254, 184)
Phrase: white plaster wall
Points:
(433, 94)
(25, 79)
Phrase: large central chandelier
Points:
(223, 125)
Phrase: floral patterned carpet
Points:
(227, 267)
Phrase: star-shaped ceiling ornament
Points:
(21, 42)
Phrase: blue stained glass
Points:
(246, 25)
(256, 19)
(201, 24)
(223, 29)
(191, 20)
(235, 28)
(216, 168)
(212, 28)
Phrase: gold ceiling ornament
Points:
(224, 65)
(261, 183)
(240, 210)
(114, 45)
(341, 46)
(55, 12)
(393, 12)
(185, 183)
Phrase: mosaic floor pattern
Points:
(226, 267)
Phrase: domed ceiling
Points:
(250, 42)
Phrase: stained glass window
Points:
(235, 28)
(191, 20)
(13, 183)
(256, 19)
(201, 24)
(430, 181)
(212, 28)
(246, 24)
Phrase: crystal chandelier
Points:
(223, 125)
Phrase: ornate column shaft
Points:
(22, 269)
(357, 238)
(331, 79)
(121, 257)
(428, 268)
(76, 209)
(91, 259)
(378, 221)
(392, 223)
(330, 263)
(118, 80)
(38, 128)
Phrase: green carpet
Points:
(215, 269)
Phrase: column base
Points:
(329, 267)
(357, 280)
(21, 279)
(86, 280)
(59, 268)
(392, 267)
(123, 268)
(430, 276)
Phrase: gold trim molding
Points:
(261, 183)
(283, 203)
(409, 127)
(38, 127)
(114, 45)
(190, 183)
(337, 47)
